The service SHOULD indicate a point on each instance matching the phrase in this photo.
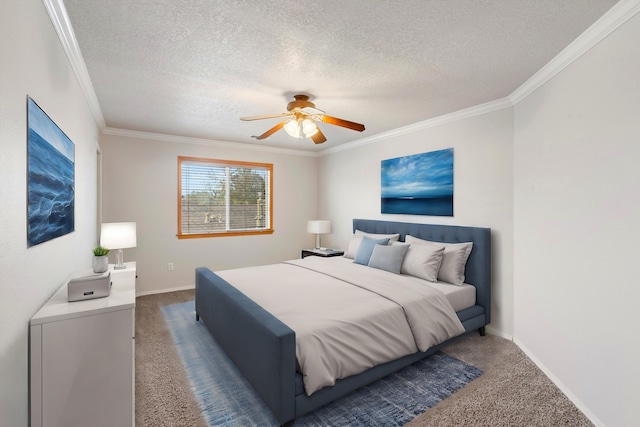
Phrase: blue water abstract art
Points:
(50, 178)
(421, 184)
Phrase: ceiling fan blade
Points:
(267, 116)
(340, 122)
(271, 131)
(318, 137)
(311, 110)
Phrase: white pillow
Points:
(354, 245)
(356, 239)
(391, 237)
(423, 261)
(454, 259)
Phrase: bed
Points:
(263, 347)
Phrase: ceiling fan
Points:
(301, 124)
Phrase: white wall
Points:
(141, 184)
(34, 63)
(483, 189)
(577, 212)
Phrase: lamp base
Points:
(318, 245)
(119, 260)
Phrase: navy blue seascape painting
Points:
(50, 178)
(421, 184)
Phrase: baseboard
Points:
(581, 406)
(498, 333)
(163, 291)
(553, 378)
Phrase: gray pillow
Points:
(366, 248)
(454, 259)
(388, 258)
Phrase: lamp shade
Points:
(118, 235)
(309, 128)
(318, 227)
(292, 127)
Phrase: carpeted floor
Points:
(511, 392)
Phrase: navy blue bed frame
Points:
(263, 348)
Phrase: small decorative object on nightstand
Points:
(100, 259)
(325, 253)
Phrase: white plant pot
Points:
(100, 264)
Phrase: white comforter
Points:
(347, 317)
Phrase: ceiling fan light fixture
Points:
(293, 128)
(309, 128)
(303, 116)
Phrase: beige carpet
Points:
(511, 392)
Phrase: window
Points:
(223, 198)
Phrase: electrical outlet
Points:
(170, 266)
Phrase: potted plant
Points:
(100, 259)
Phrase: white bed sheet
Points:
(459, 296)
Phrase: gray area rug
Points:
(226, 399)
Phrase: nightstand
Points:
(325, 252)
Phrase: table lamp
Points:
(119, 236)
(318, 227)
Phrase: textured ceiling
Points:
(194, 67)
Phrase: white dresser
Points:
(82, 362)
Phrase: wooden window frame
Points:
(231, 163)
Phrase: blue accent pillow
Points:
(366, 249)
(388, 258)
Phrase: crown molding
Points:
(609, 22)
(202, 141)
(62, 25)
(477, 110)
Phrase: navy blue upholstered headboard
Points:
(478, 270)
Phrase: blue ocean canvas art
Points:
(421, 184)
(50, 178)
